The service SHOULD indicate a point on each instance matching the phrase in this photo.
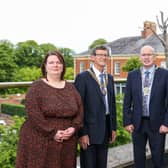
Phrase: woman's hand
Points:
(64, 134)
(68, 133)
(59, 136)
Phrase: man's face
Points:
(100, 58)
(147, 57)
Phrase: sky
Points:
(75, 24)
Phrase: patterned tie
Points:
(102, 84)
(146, 86)
(103, 90)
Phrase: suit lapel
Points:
(97, 87)
(138, 84)
(155, 82)
(109, 88)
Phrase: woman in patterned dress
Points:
(48, 137)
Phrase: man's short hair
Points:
(93, 52)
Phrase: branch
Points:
(162, 17)
(159, 25)
(161, 39)
(166, 21)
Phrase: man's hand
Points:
(163, 129)
(129, 128)
(113, 136)
(84, 141)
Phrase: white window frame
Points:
(117, 68)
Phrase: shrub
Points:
(123, 136)
(13, 109)
(23, 102)
(9, 136)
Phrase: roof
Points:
(131, 45)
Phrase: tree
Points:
(97, 42)
(69, 75)
(67, 53)
(28, 53)
(46, 47)
(131, 64)
(163, 25)
(163, 28)
(27, 74)
(7, 63)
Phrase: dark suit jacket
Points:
(158, 99)
(94, 108)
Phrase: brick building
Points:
(121, 50)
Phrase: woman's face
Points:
(53, 66)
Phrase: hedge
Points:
(13, 109)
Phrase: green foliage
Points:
(22, 75)
(8, 143)
(7, 64)
(46, 47)
(123, 136)
(69, 75)
(131, 64)
(69, 61)
(28, 53)
(22, 102)
(97, 42)
(67, 53)
(27, 74)
(9, 91)
(13, 109)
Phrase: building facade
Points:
(121, 51)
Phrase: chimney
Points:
(147, 29)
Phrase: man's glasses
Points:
(147, 54)
(101, 55)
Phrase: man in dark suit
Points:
(145, 109)
(96, 88)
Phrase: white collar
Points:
(151, 69)
(96, 71)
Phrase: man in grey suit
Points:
(96, 88)
(145, 108)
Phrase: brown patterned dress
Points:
(49, 109)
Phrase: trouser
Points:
(156, 144)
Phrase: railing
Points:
(17, 84)
(14, 84)
(119, 85)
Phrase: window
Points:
(119, 88)
(81, 66)
(117, 68)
